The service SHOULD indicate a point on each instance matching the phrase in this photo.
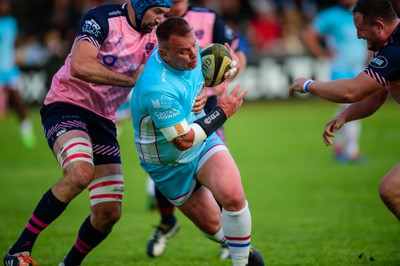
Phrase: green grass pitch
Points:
(306, 208)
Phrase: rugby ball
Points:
(215, 61)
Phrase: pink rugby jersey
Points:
(121, 49)
(209, 27)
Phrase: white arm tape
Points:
(183, 128)
(199, 133)
(176, 130)
(232, 71)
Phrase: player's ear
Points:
(164, 54)
(380, 25)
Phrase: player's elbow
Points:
(183, 147)
(352, 97)
(183, 142)
(348, 98)
(76, 70)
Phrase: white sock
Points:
(219, 237)
(26, 126)
(150, 187)
(237, 229)
(351, 132)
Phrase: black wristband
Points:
(212, 121)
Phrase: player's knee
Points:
(388, 191)
(233, 201)
(215, 225)
(212, 224)
(79, 176)
(111, 216)
(106, 215)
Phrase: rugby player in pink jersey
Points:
(78, 115)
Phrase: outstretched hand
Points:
(232, 102)
(297, 86)
(331, 128)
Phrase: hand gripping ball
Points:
(215, 61)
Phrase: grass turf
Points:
(306, 208)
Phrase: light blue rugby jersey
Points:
(337, 23)
(8, 35)
(163, 97)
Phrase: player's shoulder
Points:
(386, 61)
(388, 55)
(153, 70)
(108, 11)
(392, 47)
(9, 20)
(199, 9)
(331, 12)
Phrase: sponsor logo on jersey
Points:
(163, 75)
(165, 102)
(8, 263)
(156, 103)
(167, 114)
(212, 117)
(62, 131)
(109, 59)
(229, 33)
(379, 62)
(114, 13)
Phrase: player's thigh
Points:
(74, 153)
(60, 142)
(391, 181)
(106, 170)
(202, 209)
(221, 175)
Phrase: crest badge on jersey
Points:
(91, 27)
(199, 34)
(149, 47)
(379, 62)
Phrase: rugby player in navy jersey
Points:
(376, 23)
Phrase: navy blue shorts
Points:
(58, 118)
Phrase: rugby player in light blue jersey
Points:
(10, 76)
(347, 56)
(179, 149)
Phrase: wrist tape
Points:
(307, 84)
(212, 121)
